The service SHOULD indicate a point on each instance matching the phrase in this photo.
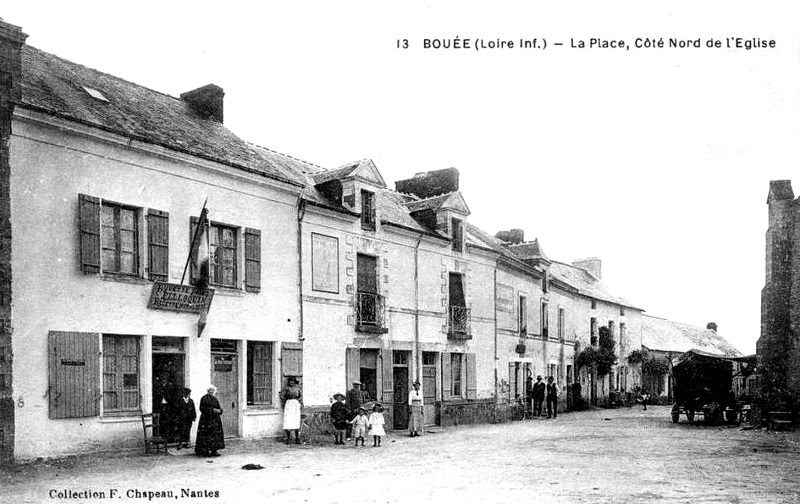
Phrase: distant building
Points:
(778, 348)
(664, 340)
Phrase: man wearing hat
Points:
(355, 398)
(538, 396)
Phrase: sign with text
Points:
(182, 298)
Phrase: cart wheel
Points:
(690, 415)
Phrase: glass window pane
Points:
(107, 216)
(126, 219)
(126, 263)
(227, 237)
(126, 239)
(109, 260)
(107, 237)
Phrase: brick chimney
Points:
(712, 326)
(206, 101)
(429, 184)
(511, 236)
(592, 265)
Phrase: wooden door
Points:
(400, 387)
(429, 383)
(225, 375)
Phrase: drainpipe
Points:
(494, 301)
(301, 211)
(416, 309)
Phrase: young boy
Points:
(185, 413)
(339, 418)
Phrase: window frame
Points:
(119, 373)
(368, 210)
(457, 227)
(137, 251)
(250, 379)
(522, 315)
(456, 380)
(215, 271)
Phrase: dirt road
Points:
(623, 455)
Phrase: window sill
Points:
(122, 417)
(227, 291)
(261, 410)
(115, 277)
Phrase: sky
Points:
(655, 160)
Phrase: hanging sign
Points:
(182, 298)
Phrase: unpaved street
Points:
(623, 455)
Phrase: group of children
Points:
(361, 424)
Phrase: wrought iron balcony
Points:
(370, 313)
(458, 326)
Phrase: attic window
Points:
(458, 235)
(95, 94)
(367, 210)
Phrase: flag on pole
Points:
(200, 254)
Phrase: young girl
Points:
(376, 423)
(360, 423)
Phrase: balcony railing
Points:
(458, 323)
(370, 313)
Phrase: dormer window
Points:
(458, 235)
(367, 210)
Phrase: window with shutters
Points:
(259, 373)
(545, 320)
(226, 253)
(120, 374)
(110, 236)
(222, 243)
(455, 374)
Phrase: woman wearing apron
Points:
(415, 402)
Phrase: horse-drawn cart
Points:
(703, 386)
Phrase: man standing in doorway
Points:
(552, 398)
(353, 401)
(538, 396)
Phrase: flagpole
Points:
(194, 239)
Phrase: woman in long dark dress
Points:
(210, 437)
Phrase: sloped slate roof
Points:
(57, 86)
(585, 283)
(528, 250)
(433, 203)
(392, 208)
(663, 334)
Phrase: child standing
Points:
(185, 417)
(376, 423)
(339, 418)
(359, 423)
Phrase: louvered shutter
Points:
(252, 260)
(387, 386)
(353, 366)
(89, 210)
(447, 388)
(74, 361)
(158, 245)
(291, 361)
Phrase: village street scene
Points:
(188, 315)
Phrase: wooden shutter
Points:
(352, 366)
(252, 260)
(387, 385)
(447, 389)
(74, 374)
(472, 377)
(89, 210)
(158, 245)
(291, 361)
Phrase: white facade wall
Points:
(50, 167)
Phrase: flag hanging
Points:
(200, 255)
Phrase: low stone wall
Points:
(477, 411)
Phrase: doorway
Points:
(429, 382)
(225, 376)
(169, 378)
(400, 376)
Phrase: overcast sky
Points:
(657, 161)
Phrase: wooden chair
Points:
(152, 436)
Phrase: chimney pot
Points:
(206, 101)
(712, 326)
